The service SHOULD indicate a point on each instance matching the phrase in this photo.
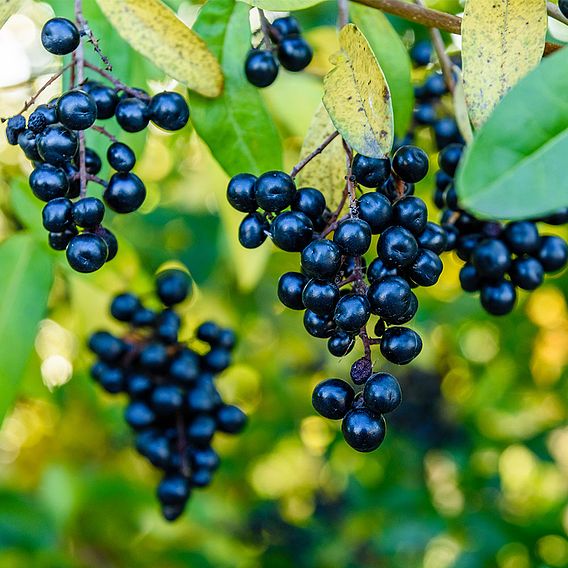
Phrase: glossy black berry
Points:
(376, 210)
(397, 247)
(332, 398)
(124, 306)
(253, 230)
(353, 237)
(184, 368)
(319, 326)
(283, 27)
(382, 393)
(400, 345)
(105, 99)
(378, 270)
(60, 240)
(87, 252)
(469, 278)
(48, 182)
(411, 213)
(435, 85)
(526, 273)
(294, 53)
(125, 192)
(389, 297)
(57, 144)
(27, 141)
(290, 289)
(274, 191)
(522, 237)
(292, 231)
(16, 125)
(370, 172)
(321, 259)
(121, 157)
(56, 214)
(410, 164)
(309, 201)
(60, 36)
(76, 110)
(173, 286)
(340, 343)
(173, 489)
(132, 114)
(231, 419)
(93, 163)
(261, 67)
(106, 346)
(421, 53)
(363, 430)
(88, 212)
(320, 296)
(47, 112)
(449, 158)
(153, 357)
(491, 258)
(240, 193)
(498, 298)
(109, 238)
(433, 238)
(553, 253)
(446, 132)
(169, 111)
(352, 312)
(166, 399)
(408, 314)
(426, 268)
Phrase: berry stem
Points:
(86, 30)
(303, 163)
(342, 13)
(182, 444)
(116, 82)
(429, 18)
(102, 130)
(265, 28)
(80, 70)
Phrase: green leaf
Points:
(516, 166)
(283, 5)
(153, 30)
(393, 59)
(357, 97)
(236, 126)
(7, 8)
(27, 276)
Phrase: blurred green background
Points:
(474, 470)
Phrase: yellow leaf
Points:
(327, 170)
(502, 40)
(7, 8)
(154, 30)
(460, 107)
(357, 97)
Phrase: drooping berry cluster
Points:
(335, 288)
(53, 138)
(499, 257)
(175, 408)
(282, 44)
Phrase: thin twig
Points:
(429, 18)
(265, 29)
(80, 70)
(102, 130)
(116, 82)
(303, 163)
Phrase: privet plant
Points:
(353, 208)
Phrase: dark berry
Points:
(294, 53)
(106, 346)
(60, 36)
(433, 238)
(283, 27)
(320, 296)
(105, 99)
(110, 241)
(553, 253)
(411, 213)
(125, 192)
(201, 429)
(498, 298)
(153, 356)
(435, 86)
(353, 237)
(253, 230)
(370, 172)
(426, 268)
(319, 326)
(169, 111)
(240, 193)
(217, 360)
(76, 110)
(57, 144)
(526, 273)
(139, 415)
(321, 259)
(469, 278)
(352, 312)
(446, 132)
(87, 252)
(522, 237)
(400, 345)
(93, 163)
(397, 247)
(132, 114)
(56, 214)
(124, 306)
(363, 430)
(144, 317)
(121, 157)
(361, 370)
(27, 141)
(425, 114)
(59, 241)
(408, 314)
(166, 399)
(309, 201)
(184, 368)
(173, 489)
(421, 53)
(410, 164)
(173, 286)
(16, 125)
(88, 212)
(112, 380)
(377, 271)
(389, 297)
(332, 398)
(382, 393)
(48, 182)
(292, 231)
(450, 157)
(231, 419)
(290, 289)
(261, 67)
(491, 258)
(48, 112)
(376, 210)
(340, 343)
(274, 191)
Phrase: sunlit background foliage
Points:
(474, 470)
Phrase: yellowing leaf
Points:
(7, 8)
(460, 107)
(502, 40)
(327, 170)
(154, 30)
(357, 97)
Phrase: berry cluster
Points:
(285, 44)
(53, 138)
(499, 257)
(337, 290)
(175, 408)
